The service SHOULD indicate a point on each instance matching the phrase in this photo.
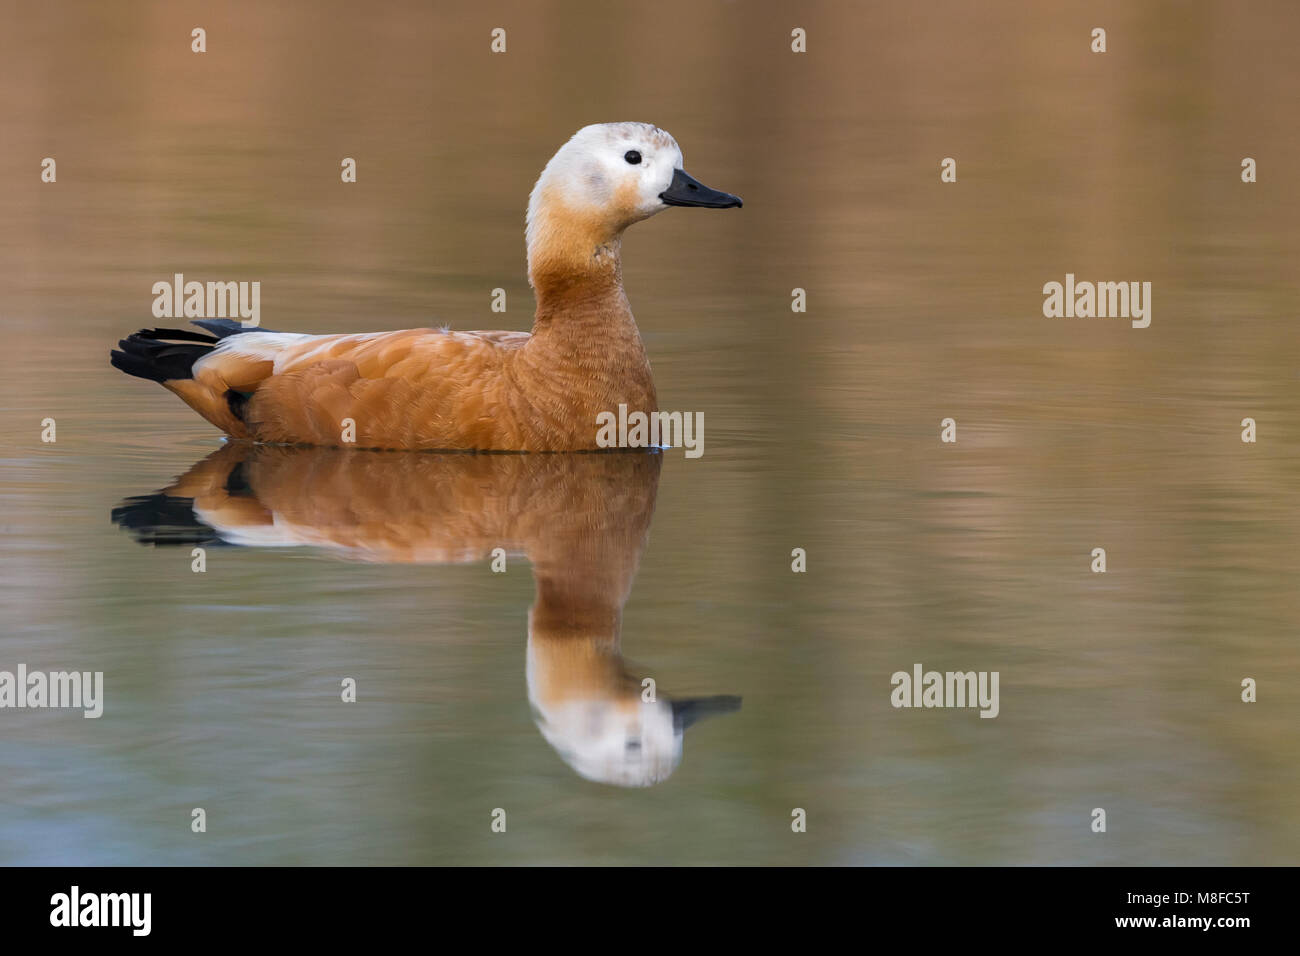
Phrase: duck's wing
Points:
(379, 389)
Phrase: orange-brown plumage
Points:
(438, 389)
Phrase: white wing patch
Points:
(260, 346)
(271, 347)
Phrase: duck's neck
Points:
(573, 262)
(580, 284)
(583, 330)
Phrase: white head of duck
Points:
(605, 178)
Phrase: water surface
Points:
(1118, 691)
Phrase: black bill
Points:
(685, 190)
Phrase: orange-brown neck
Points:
(585, 353)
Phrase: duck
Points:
(444, 390)
(581, 522)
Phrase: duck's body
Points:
(421, 388)
(439, 389)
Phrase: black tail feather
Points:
(224, 327)
(154, 353)
(180, 335)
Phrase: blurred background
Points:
(1119, 691)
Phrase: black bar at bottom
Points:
(332, 905)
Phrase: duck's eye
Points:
(632, 156)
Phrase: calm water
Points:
(1118, 691)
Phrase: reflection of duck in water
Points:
(581, 520)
